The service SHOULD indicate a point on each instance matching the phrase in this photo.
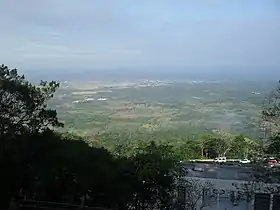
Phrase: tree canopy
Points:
(23, 106)
(42, 164)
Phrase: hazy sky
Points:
(60, 34)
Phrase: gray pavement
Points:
(219, 171)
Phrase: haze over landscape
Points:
(92, 35)
(146, 89)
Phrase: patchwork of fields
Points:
(192, 106)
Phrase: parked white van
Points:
(220, 160)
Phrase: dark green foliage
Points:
(274, 146)
(23, 111)
(205, 145)
(44, 165)
(63, 170)
(23, 105)
(57, 168)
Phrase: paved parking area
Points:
(219, 171)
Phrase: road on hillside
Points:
(219, 171)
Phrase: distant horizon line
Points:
(267, 73)
(153, 69)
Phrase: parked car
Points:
(272, 160)
(220, 160)
(244, 161)
(198, 168)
